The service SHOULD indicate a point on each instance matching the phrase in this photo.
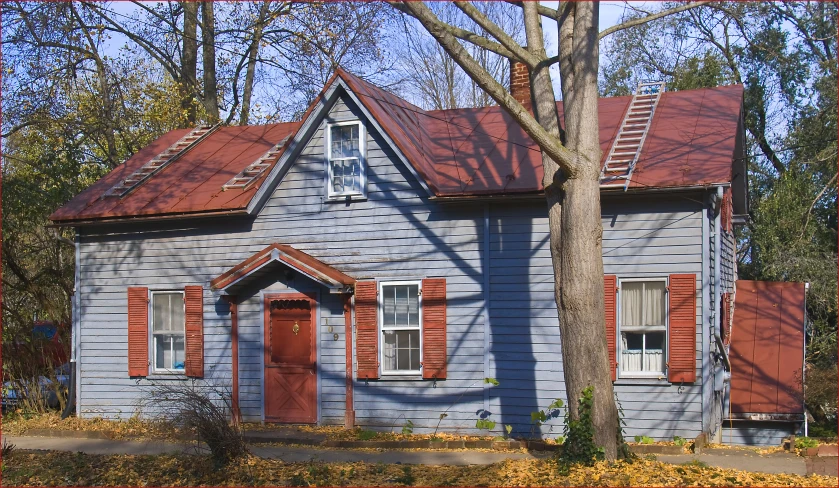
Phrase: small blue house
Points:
(375, 262)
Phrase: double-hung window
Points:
(346, 172)
(643, 327)
(401, 320)
(168, 337)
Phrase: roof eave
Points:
(235, 277)
(147, 218)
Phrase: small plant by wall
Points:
(579, 446)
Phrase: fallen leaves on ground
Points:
(342, 434)
(62, 468)
(134, 427)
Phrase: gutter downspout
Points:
(716, 201)
(804, 365)
(76, 330)
(715, 311)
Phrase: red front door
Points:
(290, 365)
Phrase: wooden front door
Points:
(290, 359)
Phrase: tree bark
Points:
(253, 50)
(208, 51)
(189, 62)
(574, 212)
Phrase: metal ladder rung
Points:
(627, 145)
(160, 161)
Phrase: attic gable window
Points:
(346, 169)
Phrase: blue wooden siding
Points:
(507, 331)
(639, 240)
(756, 433)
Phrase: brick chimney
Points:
(520, 83)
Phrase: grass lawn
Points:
(27, 468)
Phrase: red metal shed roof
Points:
(457, 152)
(767, 348)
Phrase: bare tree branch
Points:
(463, 34)
(812, 205)
(650, 18)
(508, 42)
(440, 31)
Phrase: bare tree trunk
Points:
(189, 61)
(208, 51)
(575, 229)
(253, 50)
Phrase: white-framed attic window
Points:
(346, 165)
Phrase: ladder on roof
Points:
(256, 168)
(156, 164)
(625, 151)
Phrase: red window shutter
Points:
(367, 329)
(682, 362)
(434, 328)
(727, 212)
(725, 319)
(138, 331)
(194, 329)
(610, 305)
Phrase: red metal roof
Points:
(483, 151)
(457, 152)
(192, 184)
(767, 348)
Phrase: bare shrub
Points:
(30, 368)
(206, 411)
(7, 449)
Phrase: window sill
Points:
(162, 375)
(400, 377)
(345, 199)
(641, 380)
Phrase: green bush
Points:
(579, 446)
(366, 435)
(805, 442)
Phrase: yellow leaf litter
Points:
(23, 468)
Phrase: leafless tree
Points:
(432, 79)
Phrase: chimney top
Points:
(520, 83)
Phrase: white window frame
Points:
(153, 336)
(362, 162)
(619, 342)
(382, 328)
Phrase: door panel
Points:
(290, 366)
